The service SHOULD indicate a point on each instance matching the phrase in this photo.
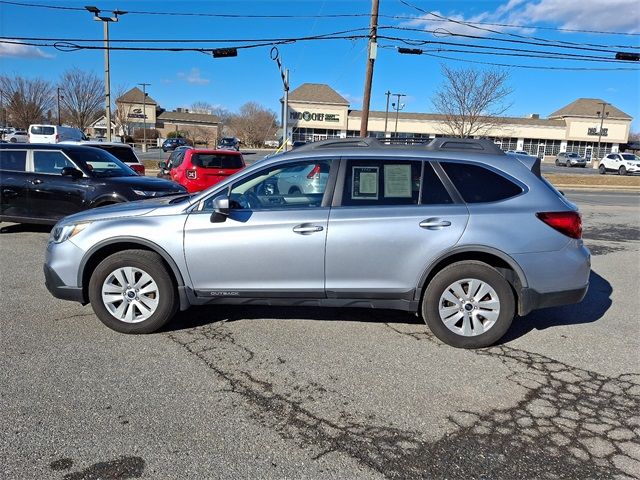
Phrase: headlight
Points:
(631, 164)
(64, 232)
(148, 193)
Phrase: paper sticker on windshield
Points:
(364, 183)
(397, 181)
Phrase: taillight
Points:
(314, 173)
(567, 223)
(138, 168)
(192, 174)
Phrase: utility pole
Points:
(368, 79)
(386, 113)
(58, 89)
(601, 114)
(107, 81)
(398, 107)
(144, 115)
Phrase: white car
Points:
(19, 136)
(54, 134)
(623, 163)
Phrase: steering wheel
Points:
(251, 200)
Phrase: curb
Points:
(624, 188)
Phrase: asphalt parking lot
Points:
(256, 392)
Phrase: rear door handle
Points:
(434, 223)
(8, 193)
(307, 229)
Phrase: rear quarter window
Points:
(477, 184)
(13, 160)
(208, 160)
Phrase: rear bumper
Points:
(531, 300)
(58, 289)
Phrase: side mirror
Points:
(71, 172)
(220, 209)
(162, 165)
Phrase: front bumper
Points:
(58, 289)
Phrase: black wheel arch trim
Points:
(144, 243)
(471, 249)
(112, 197)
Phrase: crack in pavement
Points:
(571, 423)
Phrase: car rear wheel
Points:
(132, 292)
(622, 170)
(468, 305)
(602, 169)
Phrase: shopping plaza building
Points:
(317, 112)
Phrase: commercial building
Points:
(317, 112)
(134, 110)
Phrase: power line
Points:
(531, 67)
(241, 16)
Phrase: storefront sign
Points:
(137, 113)
(314, 117)
(594, 131)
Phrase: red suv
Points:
(198, 169)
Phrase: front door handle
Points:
(36, 181)
(8, 193)
(434, 223)
(307, 229)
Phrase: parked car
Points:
(122, 151)
(18, 136)
(172, 143)
(54, 134)
(197, 169)
(229, 143)
(623, 163)
(570, 159)
(454, 230)
(165, 166)
(43, 183)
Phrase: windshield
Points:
(630, 156)
(228, 141)
(572, 155)
(100, 163)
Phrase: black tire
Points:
(152, 264)
(13, 140)
(622, 170)
(294, 191)
(602, 170)
(557, 162)
(459, 271)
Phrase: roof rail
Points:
(483, 146)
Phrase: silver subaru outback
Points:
(455, 231)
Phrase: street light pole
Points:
(107, 80)
(604, 105)
(386, 113)
(58, 89)
(144, 115)
(398, 108)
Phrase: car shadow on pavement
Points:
(25, 227)
(591, 309)
(207, 314)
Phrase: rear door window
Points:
(382, 182)
(477, 184)
(13, 160)
(210, 160)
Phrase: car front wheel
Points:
(468, 305)
(132, 292)
(602, 169)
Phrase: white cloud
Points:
(616, 15)
(353, 100)
(193, 77)
(21, 51)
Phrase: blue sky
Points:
(179, 79)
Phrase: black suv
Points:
(173, 143)
(42, 183)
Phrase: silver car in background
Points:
(455, 231)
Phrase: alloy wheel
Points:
(469, 307)
(130, 294)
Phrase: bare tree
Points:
(27, 100)
(82, 97)
(121, 112)
(201, 107)
(253, 124)
(471, 101)
(203, 135)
